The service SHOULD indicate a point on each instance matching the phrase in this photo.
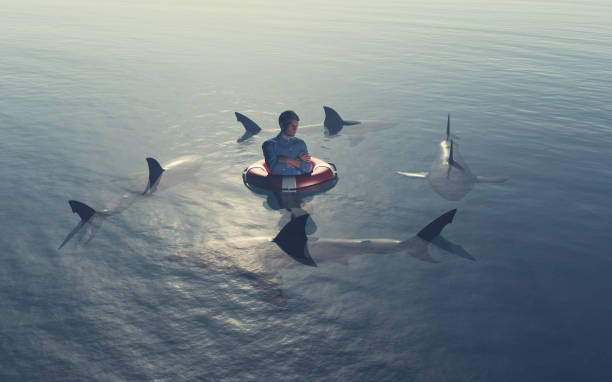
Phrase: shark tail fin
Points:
(448, 127)
(155, 171)
(433, 229)
(83, 210)
(451, 157)
(333, 122)
(418, 244)
(250, 126)
(292, 240)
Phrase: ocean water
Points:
(89, 90)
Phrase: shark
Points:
(175, 172)
(332, 125)
(449, 175)
(260, 260)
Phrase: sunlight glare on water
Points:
(88, 90)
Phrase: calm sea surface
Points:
(88, 90)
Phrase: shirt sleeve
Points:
(271, 157)
(269, 152)
(305, 167)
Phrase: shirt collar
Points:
(282, 139)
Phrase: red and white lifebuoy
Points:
(258, 175)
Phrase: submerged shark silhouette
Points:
(449, 175)
(332, 125)
(175, 172)
(259, 260)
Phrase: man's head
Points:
(288, 122)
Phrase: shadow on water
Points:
(448, 246)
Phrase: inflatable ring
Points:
(323, 176)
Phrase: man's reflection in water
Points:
(292, 205)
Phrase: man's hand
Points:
(293, 162)
(304, 156)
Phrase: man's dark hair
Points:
(286, 117)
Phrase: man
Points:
(287, 154)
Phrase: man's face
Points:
(291, 129)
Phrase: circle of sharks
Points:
(263, 258)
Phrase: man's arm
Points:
(289, 162)
(304, 158)
(277, 163)
(269, 151)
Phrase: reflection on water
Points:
(89, 89)
(260, 260)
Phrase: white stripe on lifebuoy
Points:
(256, 166)
(288, 184)
(326, 165)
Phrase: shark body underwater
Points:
(178, 171)
(332, 126)
(449, 175)
(259, 260)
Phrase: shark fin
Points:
(83, 210)
(451, 158)
(72, 233)
(333, 122)
(292, 240)
(448, 127)
(434, 228)
(417, 245)
(416, 175)
(250, 126)
(451, 247)
(484, 179)
(155, 172)
(85, 213)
